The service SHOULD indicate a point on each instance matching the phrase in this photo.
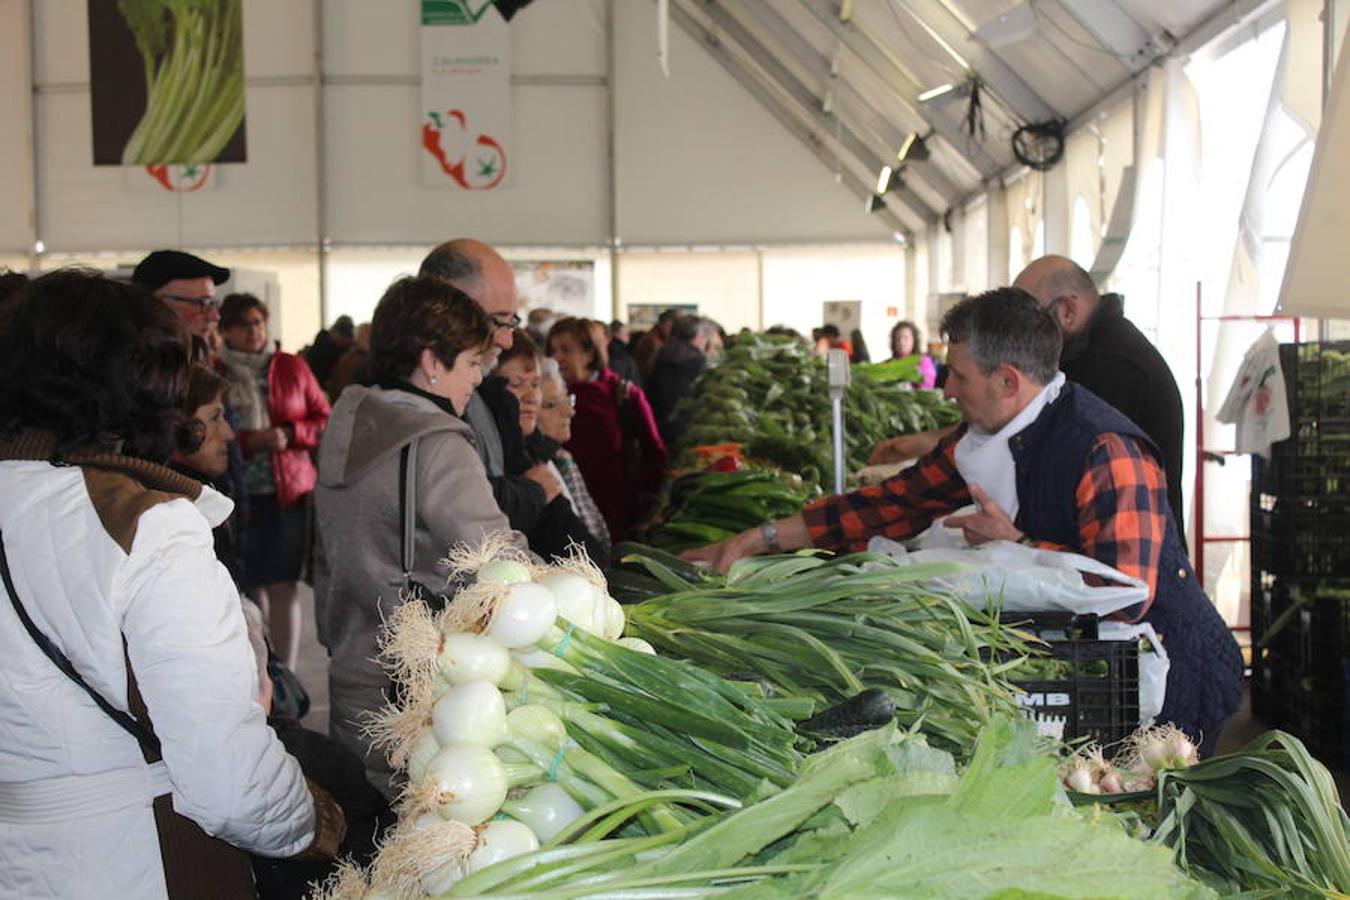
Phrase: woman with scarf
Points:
(281, 411)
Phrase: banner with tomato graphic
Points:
(466, 95)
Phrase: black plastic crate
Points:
(1054, 625)
(1095, 696)
(1301, 661)
(1317, 382)
(1296, 542)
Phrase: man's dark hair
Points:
(668, 315)
(685, 328)
(449, 262)
(235, 306)
(1006, 326)
(343, 326)
(423, 313)
(103, 364)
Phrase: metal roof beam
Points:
(778, 108)
(904, 87)
(997, 76)
(821, 68)
(807, 103)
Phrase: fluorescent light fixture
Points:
(1011, 27)
(884, 179)
(936, 92)
(874, 203)
(914, 149)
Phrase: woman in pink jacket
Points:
(280, 412)
(614, 436)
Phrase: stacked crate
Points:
(1300, 516)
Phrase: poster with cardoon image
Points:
(167, 81)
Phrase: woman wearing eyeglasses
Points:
(562, 522)
(281, 412)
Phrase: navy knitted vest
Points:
(1051, 456)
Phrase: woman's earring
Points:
(434, 379)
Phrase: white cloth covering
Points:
(983, 458)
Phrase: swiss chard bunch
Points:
(193, 53)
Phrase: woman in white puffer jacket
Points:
(109, 557)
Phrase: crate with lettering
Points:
(1077, 686)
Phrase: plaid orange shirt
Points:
(1122, 507)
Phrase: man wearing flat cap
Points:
(187, 283)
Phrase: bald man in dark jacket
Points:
(1108, 355)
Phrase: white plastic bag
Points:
(1153, 665)
(1025, 579)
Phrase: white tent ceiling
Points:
(845, 76)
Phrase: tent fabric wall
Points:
(696, 158)
(16, 129)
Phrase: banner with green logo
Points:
(466, 94)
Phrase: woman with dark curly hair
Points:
(281, 412)
(132, 720)
(614, 432)
(399, 447)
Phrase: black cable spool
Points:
(1039, 145)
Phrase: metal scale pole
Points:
(838, 372)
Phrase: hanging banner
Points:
(466, 94)
(167, 82)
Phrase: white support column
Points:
(1055, 207)
(997, 244)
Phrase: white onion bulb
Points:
(638, 644)
(498, 840)
(441, 877)
(471, 782)
(472, 657)
(615, 620)
(507, 571)
(471, 713)
(547, 809)
(575, 597)
(423, 750)
(537, 723)
(523, 616)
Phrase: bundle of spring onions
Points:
(1263, 819)
(827, 628)
(879, 814)
(522, 712)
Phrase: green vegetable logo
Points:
(193, 54)
(179, 179)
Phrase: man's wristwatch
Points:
(769, 532)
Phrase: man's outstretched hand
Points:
(725, 552)
(989, 523)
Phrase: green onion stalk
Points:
(1265, 819)
(828, 628)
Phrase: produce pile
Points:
(704, 507)
(1266, 818)
(770, 395)
(547, 755)
(828, 628)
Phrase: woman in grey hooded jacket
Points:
(427, 345)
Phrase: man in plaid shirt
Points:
(1078, 474)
